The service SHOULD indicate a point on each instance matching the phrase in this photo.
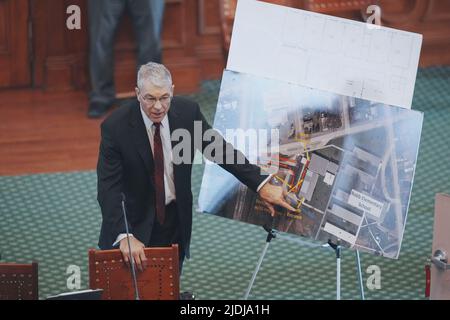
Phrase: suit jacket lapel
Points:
(141, 140)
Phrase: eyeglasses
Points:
(151, 101)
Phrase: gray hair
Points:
(156, 73)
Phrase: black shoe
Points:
(187, 295)
(97, 110)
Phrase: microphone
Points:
(133, 270)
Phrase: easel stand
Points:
(338, 249)
(272, 234)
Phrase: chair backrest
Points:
(19, 281)
(160, 281)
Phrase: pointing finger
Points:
(286, 205)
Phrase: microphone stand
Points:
(133, 271)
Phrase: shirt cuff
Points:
(120, 237)
(264, 182)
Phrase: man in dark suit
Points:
(137, 158)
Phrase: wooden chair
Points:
(160, 281)
(19, 281)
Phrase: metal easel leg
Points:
(337, 248)
(358, 266)
(338, 272)
(270, 236)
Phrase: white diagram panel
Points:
(324, 52)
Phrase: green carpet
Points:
(54, 219)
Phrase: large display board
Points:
(347, 164)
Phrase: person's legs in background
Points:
(147, 18)
(104, 17)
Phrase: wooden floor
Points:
(46, 132)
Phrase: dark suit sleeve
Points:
(247, 173)
(109, 187)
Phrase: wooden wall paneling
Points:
(5, 43)
(438, 10)
(402, 12)
(192, 40)
(20, 66)
(77, 44)
(436, 30)
(227, 13)
(191, 46)
(39, 39)
(210, 49)
(179, 42)
(60, 54)
(431, 18)
(15, 68)
(335, 6)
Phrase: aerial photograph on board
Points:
(346, 164)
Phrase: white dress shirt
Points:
(169, 185)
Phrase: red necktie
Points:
(158, 156)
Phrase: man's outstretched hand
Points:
(273, 196)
